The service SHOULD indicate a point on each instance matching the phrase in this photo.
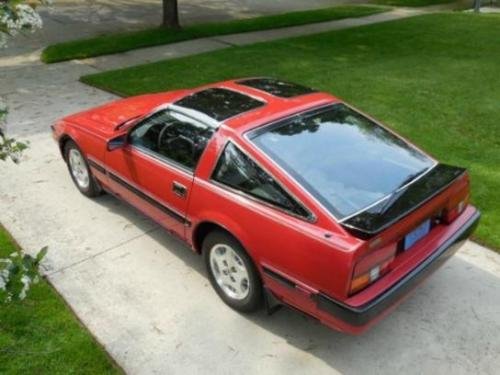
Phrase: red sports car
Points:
(292, 196)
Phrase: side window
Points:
(172, 136)
(237, 170)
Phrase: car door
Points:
(154, 170)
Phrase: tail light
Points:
(451, 213)
(373, 266)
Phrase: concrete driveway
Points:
(145, 297)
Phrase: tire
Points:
(78, 169)
(242, 276)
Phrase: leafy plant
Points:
(16, 16)
(17, 273)
(9, 147)
(19, 16)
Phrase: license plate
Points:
(421, 231)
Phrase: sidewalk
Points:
(75, 19)
(146, 55)
(195, 46)
(144, 295)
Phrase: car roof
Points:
(246, 103)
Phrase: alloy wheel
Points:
(78, 168)
(229, 272)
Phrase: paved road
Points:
(72, 19)
(145, 296)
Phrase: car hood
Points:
(105, 118)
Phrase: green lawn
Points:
(433, 78)
(40, 335)
(120, 42)
(411, 3)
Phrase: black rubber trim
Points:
(278, 277)
(272, 303)
(359, 316)
(148, 199)
(96, 166)
(140, 194)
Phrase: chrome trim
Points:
(310, 218)
(195, 115)
(191, 113)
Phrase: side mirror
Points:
(117, 142)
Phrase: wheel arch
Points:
(63, 140)
(205, 227)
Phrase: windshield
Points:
(344, 159)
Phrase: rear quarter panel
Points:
(315, 255)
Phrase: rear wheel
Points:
(232, 272)
(80, 171)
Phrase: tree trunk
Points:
(170, 14)
(477, 5)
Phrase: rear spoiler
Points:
(375, 219)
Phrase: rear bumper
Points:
(361, 317)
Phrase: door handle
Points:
(179, 189)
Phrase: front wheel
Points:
(232, 272)
(80, 171)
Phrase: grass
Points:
(121, 42)
(433, 78)
(40, 335)
(411, 3)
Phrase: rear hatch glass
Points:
(345, 160)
